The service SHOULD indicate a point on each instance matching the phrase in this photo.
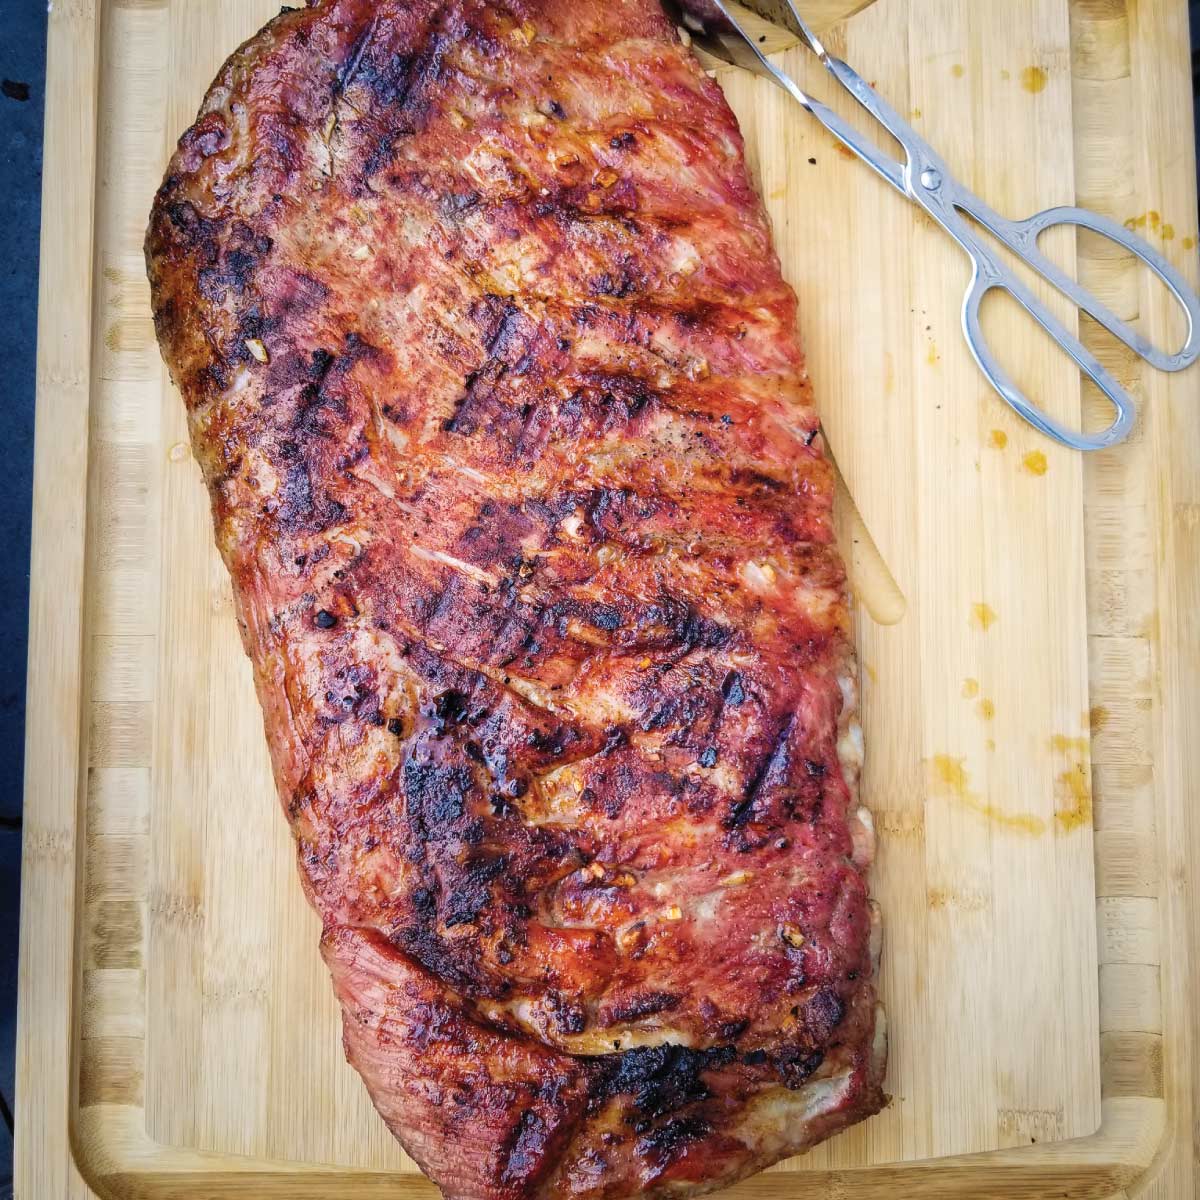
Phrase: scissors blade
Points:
(796, 22)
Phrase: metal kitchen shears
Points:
(925, 179)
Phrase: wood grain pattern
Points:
(172, 1002)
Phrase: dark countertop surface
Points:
(22, 90)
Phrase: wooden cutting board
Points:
(1026, 632)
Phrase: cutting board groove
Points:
(1030, 760)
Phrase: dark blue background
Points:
(22, 72)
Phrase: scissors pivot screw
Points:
(931, 180)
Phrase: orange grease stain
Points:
(1033, 80)
(958, 71)
(986, 709)
(1153, 219)
(1189, 243)
(965, 900)
(970, 689)
(1079, 809)
(1035, 463)
(1075, 809)
(997, 439)
(949, 774)
(1097, 718)
(949, 778)
(983, 616)
(1071, 745)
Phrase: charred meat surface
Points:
(496, 388)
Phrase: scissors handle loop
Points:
(990, 277)
(1022, 238)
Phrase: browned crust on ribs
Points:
(496, 388)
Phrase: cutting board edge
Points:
(1138, 1136)
(55, 751)
(119, 1160)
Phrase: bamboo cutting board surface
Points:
(1025, 634)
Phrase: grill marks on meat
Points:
(495, 385)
